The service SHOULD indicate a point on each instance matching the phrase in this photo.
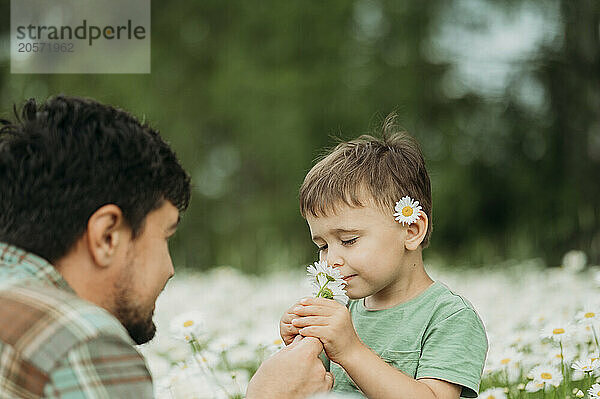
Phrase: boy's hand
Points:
(329, 321)
(287, 331)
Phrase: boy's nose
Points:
(334, 260)
(337, 262)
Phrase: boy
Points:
(403, 335)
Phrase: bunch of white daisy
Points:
(327, 282)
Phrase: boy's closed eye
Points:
(350, 241)
(344, 242)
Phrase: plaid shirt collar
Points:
(31, 265)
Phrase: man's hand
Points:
(295, 372)
(287, 331)
(329, 321)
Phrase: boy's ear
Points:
(415, 233)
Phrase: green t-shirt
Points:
(437, 334)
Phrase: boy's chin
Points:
(357, 292)
(353, 295)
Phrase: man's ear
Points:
(106, 230)
(415, 233)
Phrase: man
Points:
(89, 197)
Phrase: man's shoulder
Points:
(45, 322)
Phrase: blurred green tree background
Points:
(503, 96)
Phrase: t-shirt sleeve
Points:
(325, 360)
(104, 367)
(454, 350)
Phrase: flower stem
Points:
(322, 288)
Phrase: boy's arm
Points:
(331, 323)
(368, 370)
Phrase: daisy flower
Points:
(594, 356)
(557, 331)
(206, 359)
(188, 326)
(508, 358)
(556, 356)
(546, 375)
(586, 332)
(223, 343)
(539, 319)
(327, 282)
(273, 345)
(594, 391)
(321, 272)
(493, 393)
(588, 315)
(533, 386)
(407, 210)
(587, 366)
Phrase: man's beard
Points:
(136, 320)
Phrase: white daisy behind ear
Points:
(407, 211)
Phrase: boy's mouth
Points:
(347, 278)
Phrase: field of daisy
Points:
(214, 329)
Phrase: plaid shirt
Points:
(54, 344)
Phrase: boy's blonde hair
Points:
(386, 169)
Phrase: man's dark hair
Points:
(62, 160)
